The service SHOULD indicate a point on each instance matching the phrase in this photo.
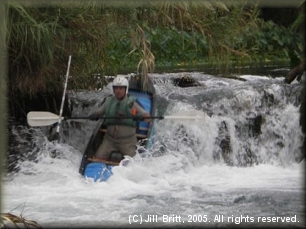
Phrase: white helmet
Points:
(121, 82)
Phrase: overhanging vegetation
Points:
(107, 39)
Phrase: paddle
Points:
(56, 135)
(45, 118)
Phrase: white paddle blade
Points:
(188, 115)
(184, 117)
(41, 118)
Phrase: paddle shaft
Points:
(63, 98)
(117, 117)
(137, 118)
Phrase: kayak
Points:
(101, 170)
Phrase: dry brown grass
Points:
(9, 220)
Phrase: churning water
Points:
(239, 166)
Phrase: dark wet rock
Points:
(186, 81)
(239, 199)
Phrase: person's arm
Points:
(142, 111)
(98, 113)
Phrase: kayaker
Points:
(121, 133)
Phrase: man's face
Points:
(119, 92)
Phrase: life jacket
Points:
(116, 108)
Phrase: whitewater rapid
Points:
(183, 179)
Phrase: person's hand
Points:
(145, 117)
(138, 117)
(142, 117)
(93, 116)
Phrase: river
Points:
(239, 166)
